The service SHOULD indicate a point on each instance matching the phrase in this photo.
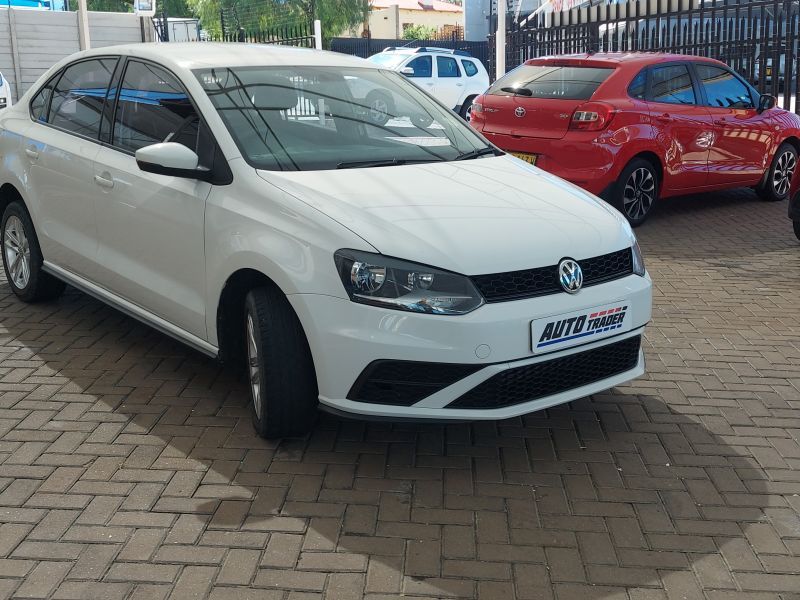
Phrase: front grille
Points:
(403, 383)
(515, 285)
(523, 384)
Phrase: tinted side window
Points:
(153, 108)
(79, 95)
(469, 67)
(422, 65)
(722, 88)
(638, 87)
(41, 102)
(672, 85)
(447, 67)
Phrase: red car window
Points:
(672, 84)
(558, 82)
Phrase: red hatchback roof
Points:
(608, 59)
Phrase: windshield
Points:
(314, 118)
(557, 82)
(388, 59)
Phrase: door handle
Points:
(722, 121)
(664, 118)
(32, 153)
(429, 83)
(460, 84)
(106, 182)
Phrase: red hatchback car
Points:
(635, 127)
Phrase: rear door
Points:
(61, 146)
(684, 127)
(538, 100)
(743, 137)
(449, 81)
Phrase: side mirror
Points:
(407, 71)
(766, 101)
(171, 158)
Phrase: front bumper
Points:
(345, 338)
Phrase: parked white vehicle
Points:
(239, 199)
(453, 77)
(5, 92)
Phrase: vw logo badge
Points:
(570, 275)
(519, 111)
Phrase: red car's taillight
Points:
(592, 116)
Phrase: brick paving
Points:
(129, 468)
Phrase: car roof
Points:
(633, 59)
(200, 55)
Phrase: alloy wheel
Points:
(18, 252)
(639, 193)
(253, 369)
(783, 173)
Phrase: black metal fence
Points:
(365, 47)
(758, 38)
(291, 29)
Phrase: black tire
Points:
(466, 107)
(777, 181)
(796, 228)
(381, 107)
(18, 233)
(636, 191)
(285, 404)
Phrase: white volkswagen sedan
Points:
(240, 199)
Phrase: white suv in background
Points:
(5, 92)
(454, 77)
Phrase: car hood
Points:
(473, 217)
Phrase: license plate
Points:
(580, 327)
(528, 158)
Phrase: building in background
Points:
(478, 15)
(389, 18)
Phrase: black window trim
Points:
(698, 97)
(57, 78)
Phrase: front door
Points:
(423, 72)
(743, 137)
(684, 127)
(151, 227)
(61, 146)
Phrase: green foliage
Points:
(337, 16)
(418, 32)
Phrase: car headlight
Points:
(638, 259)
(392, 283)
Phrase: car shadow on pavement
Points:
(646, 487)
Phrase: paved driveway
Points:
(129, 469)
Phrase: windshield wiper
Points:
(477, 153)
(389, 162)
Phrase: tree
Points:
(418, 32)
(336, 15)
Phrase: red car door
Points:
(743, 137)
(684, 129)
